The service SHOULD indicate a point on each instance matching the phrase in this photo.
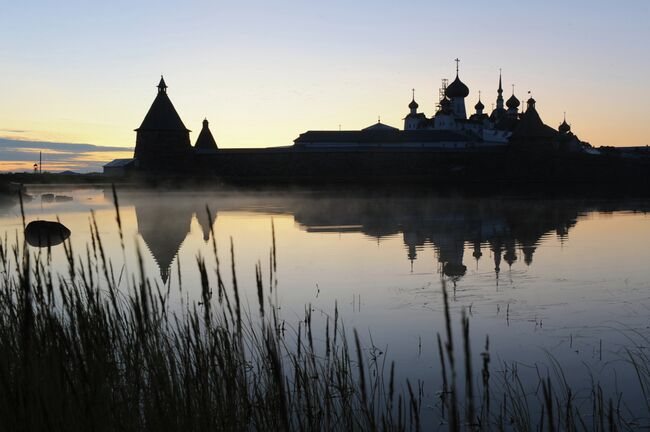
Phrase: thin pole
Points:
(40, 162)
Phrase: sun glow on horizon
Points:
(262, 74)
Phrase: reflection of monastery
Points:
(164, 225)
(508, 230)
(510, 142)
(504, 231)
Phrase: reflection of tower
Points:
(204, 222)
(496, 248)
(163, 225)
(562, 232)
(412, 239)
(450, 248)
(510, 256)
(477, 250)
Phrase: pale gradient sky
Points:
(262, 72)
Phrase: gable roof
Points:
(120, 163)
(369, 137)
(379, 126)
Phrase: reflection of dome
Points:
(528, 254)
(477, 250)
(457, 89)
(452, 269)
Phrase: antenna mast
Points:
(441, 92)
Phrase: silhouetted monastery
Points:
(509, 144)
(451, 129)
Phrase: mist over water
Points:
(557, 279)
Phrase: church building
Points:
(450, 128)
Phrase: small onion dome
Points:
(413, 104)
(456, 89)
(564, 127)
(531, 101)
(513, 102)
(479, 105)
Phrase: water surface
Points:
(561, 278)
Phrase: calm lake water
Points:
(565, 279)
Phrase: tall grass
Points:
(79, 353)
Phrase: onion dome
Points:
(457, 89)
(479, 106)
(413, 105)
(564, 127)
(513, 102)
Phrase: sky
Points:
(263, 72)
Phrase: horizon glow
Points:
(264, 72)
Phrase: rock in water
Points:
(46, 233)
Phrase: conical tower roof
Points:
(205, 141)
(162, 115)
